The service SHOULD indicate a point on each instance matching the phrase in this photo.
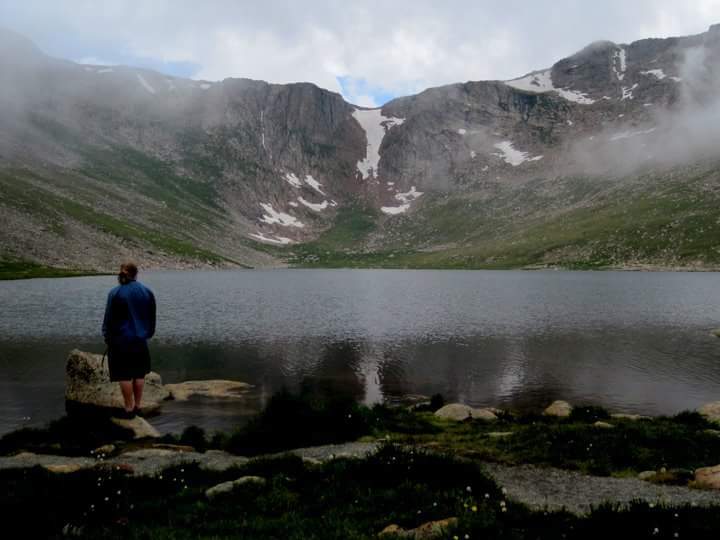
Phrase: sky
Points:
(368, 50)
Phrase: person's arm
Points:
(107, 320)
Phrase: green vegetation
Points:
(343, 498)
(27, 270)
(430, 472)
(679, 443)
(662, 220)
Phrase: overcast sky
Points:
(369, 50)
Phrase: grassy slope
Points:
(667, 220)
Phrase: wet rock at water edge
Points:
(559, 409)
(88, 388)
(460, 412)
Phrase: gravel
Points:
(546, 488)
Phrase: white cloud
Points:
(402, 46)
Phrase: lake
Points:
(632, 342)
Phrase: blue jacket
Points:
(129, 314)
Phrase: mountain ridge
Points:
(112, 162)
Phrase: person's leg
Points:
(126, 387)
(137, 386)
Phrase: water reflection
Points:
(632, 342)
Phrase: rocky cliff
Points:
(605, 158)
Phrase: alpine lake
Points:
(635, 342)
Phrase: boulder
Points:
(88, 386)
(500, 434)
(559, 408)
(103, 450)
(708, 477)
(626, 416)
(139, 427)
(426, 531)
(603, 425)
(211, 388)
(227, 487)
(711, 411)
(646, 475)
(63, 468)
(460, 412)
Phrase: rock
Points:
(559, 408)
(393, 530)
(87, 384)
(460, 412)
(104, 450)
(711, 411)
(211, 388)
(625, 416)
(426, 531)
(227, 487)
(63, 468)
(603, 425)
(708, 477)
(500, 434)
(139, 427)
(172, 447)
(646, 475)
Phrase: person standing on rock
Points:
(129, 322)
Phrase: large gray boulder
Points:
(87, 384)
(460, 412)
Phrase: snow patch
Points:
(310, 181)
(619, 63)
(473, 154)
(316, 207)
(575, 95)
(512, 156)
(405, 199)
(105, 70)
(281, 218)
(293, 180)
(541, 82)
(462, 131)
(145, 84)
(277, 240)
(205, 86)
(628, 134)
(535, 82)
(676, 79)
(375, 126)
(657, 73)
(293, 204)
(627, 92)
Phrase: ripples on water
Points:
(629, 341)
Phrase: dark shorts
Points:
(127, 361)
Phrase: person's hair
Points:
(128, 273)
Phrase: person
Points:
(130, 316)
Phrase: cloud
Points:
(394, 48)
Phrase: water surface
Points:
(636, 342)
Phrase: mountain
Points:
(606, 159)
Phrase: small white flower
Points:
(119, 492)
(656, 531)
(487, 495)
(468, 489)
(504, 491)
(652, 505)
